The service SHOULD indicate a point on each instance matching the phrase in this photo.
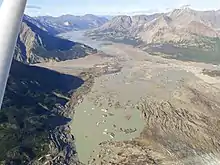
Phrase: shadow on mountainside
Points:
(34, 100)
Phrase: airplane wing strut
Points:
(11, 13)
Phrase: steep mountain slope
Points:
(44, 25)
(201, 29)
(183, 34)
(31, 117)
(183, 20)
(126, 23)
(122, 28)
(166, 29)
(153, 30)
(187, 38)
(66, 23)
(36, 45)
(187, 15)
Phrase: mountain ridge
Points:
(32, 123)
(180, 29)
(37, 45)
(68, 22)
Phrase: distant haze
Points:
(113, 7)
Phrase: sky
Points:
(113, 7)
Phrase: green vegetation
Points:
(128, 41)
(109, 36)
(204, 49)
(30, 112)
(212, 73)
(76, 51)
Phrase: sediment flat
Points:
(150, 99)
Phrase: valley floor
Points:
(169, 109)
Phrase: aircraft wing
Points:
(11, 13)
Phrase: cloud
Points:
(183, 3)
(150, 11)
(185, 6)
(136, 12)
(33, 7)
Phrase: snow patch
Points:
(66, 23)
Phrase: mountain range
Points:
(32, 122)
(184, 34)
(31, 118)
(37, 45)
(65, 23)
(189, 20)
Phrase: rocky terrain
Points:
(150, 111)
(212, 73)
(122, 26)
(38, 103)
(179, 106)
(34, 128)
(184, 34)
(36, 45)
(118, 105)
